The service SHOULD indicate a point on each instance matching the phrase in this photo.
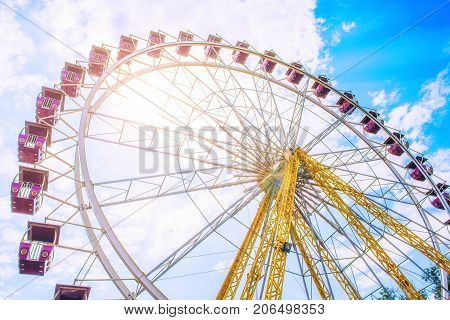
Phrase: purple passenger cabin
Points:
(127, 45)
(184, 37)
(344, 105)
(293, 75)
(370, 125)
(415, 172)
(36, 248)
(240, 56)
(71, 292)
(27, 190)
(436, 202)
(72, 78)
(49, 104)
(319, 88)
(212, 51)
(267, 64)
(98, 61)
(394, 147)
(33, 142)
(154, 39)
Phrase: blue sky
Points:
(410, 74)
(405, 64)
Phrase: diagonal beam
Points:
(299, 238)
(399, 229)
(255, 273)
(235, 273)
(164, 266)
(325, 179)
(304, 230)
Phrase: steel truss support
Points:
(402, 231)
(298, 235)
(328, 183)
(284, 206)
(281, 225)
(235, 273)
(302, 230)
(275, 235)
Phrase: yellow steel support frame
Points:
(234, 275)
(303, 230)
(254, 275)
(402, 231)
(276, 233)
(284, 206)
(281, 224)
(326, 180)
(298, 235)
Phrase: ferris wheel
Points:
(188, 166)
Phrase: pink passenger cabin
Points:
(267, 64)
(49, 104)
(370, 125)
(212, 51)
(184, 37)
(394, 147)
(37, 248)
(319, 89)
(71, 292)
(72, 78)
(344, 105)
(240, 56)
(127, 45)
(154, 39)
(294, 76)
(415, 172)
(98, 61)
(27, 190)
(33, 142)
(436, 202)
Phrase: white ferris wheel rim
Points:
(82, 168)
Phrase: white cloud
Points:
(250, 20)
(383, 99)
(411, 118)
(30, 57)
(8, 159)
(8, 156)
(16, 3)
(441, 163)
(335, 37)
(222, 265)
(348, 26)
(19, 49)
